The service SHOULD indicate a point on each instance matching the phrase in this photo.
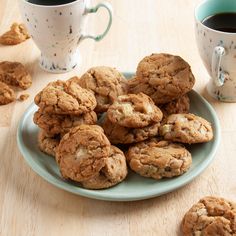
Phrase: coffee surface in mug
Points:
(225, 22)
(50, 2)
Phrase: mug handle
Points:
(218, 75)
(108, 7)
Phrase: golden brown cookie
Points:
(180, 105)
(163, 77)
(65, 97)
(82, 152)
(17, 34)
(186, 128)
(7, 95)
(114, 171)
(107, 84)
(158, 159)
(122, 135)
(15, 74)
(61, 124)
(48, 144)
(134, 111)
(211, 216)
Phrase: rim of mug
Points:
(51, 6)
(204, 26)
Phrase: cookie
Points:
(122, 135)
(180, 105)
(82, 152)
(61, 124)
(15, 74)
(114, 171)
(17, 34)
(134, 111)
(163, 77)
(7, 95)
(107, 84)
(211, 216)
(158, 159)
(48, 144)
(65, 97)
(186, 128)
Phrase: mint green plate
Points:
(134, 187)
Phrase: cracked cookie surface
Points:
(107, 84)
(210, 216)
(134, 111)
(48, 144)
(82, 152)
(61, 124)
(158, 159)
(114, 171)
(163, 77)
(7, 95)
(122, 135)
(17, 34)
(15, 74)
(186, 128)
(65, 97)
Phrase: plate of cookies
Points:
(121, 136)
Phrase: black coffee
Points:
(50, 2)
(225, 22)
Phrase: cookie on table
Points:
(7, 95)
(82, 152)
(211, 216)
(107, 84)
(122, 135)
(48, 144)
(17, 34)
(65, 97)
(60, 124)
(180, 105)
(186, 128)
(158, 159)
(134, 111)
(163, 77)
(114, 171)
(15, 74)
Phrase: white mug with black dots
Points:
(57, 27)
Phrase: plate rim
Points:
(97, 194)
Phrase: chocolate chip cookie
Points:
(107, 84)
(61, 124)
(158, 159)
(134, 111)
(211, 216)
(186, 128)
(48, 144)
(122, 135)
(163, 77)
(114, 171)
(17, 34)
(7, 95)
(15, 74)
(65, 97)
(82, 152)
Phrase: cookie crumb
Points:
(23, 97)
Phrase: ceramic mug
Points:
(57, 30)
(217, 50)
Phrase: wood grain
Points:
(31, 206)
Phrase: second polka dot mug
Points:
(57, 30)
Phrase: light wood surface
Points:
(31, 206)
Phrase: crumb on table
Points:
(23, 97)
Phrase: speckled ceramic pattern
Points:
(57, 31)
(207, 39)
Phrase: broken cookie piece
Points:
(7, 95)
(24, 97)
(17, 34)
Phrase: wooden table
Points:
(31, 206)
